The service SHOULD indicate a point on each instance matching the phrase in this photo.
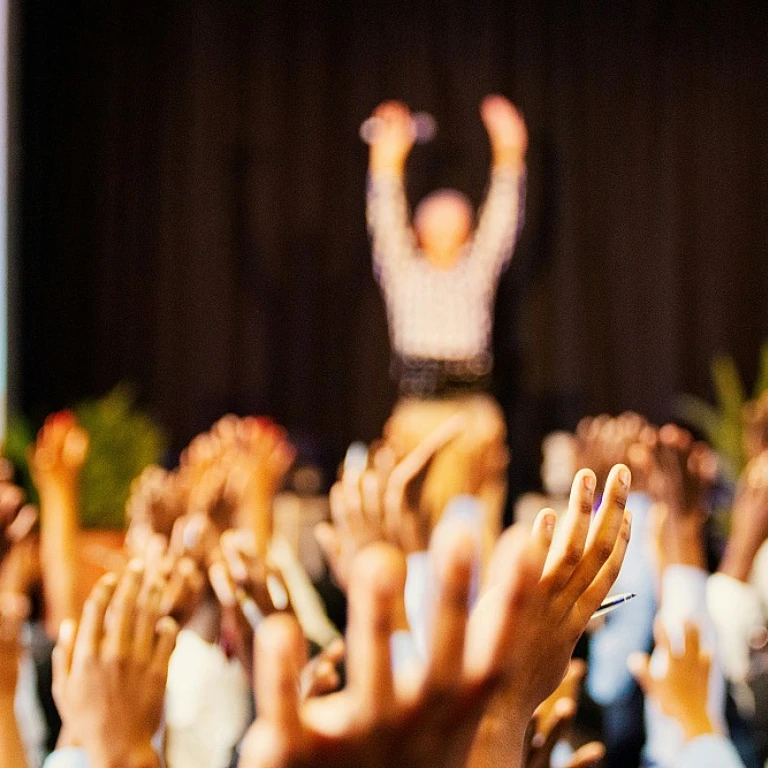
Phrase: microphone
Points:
(423, 125)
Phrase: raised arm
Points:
(502, 213)
(57, 460)
(387, 207)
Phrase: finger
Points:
(147, 615)
(222, 584)
(232, 551)
(91, 629)
(588, 756)
(280, 656)
(542, 534)
(661, 636)
(14, 609)
(378, 579)
(328, 539)
(371, 497)
(166, 631)
(423, 453)
(334, 652)
(592, 596)
(61, 659)
(455, 552)
(183, 589)
(603, 533)
(564, 711)
(23, 523)
(568, 547)
(122, 611)
(352, 516)
(638, 665)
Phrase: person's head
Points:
(442, 222)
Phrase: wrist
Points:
(738, 559)
(509, 157)
(697, 724)
(140, 756)
(57, 493)
(392, 167)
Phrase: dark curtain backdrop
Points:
(193, 201)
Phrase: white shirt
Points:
(442, 314)
(738, 609)
(709, 752)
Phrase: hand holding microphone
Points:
(423, 128)
(391, 131)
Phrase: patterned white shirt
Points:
(441, 314)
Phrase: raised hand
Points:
(685, 472)
(109, 673)
(749, 519)
(372, 722)
(556, 585)
(680, 479)
(681, 693)
(248, 588)
(518, 642)
(267, 455)
(506, 129)
(393, 138)
(57, 457)
(56, 461)
(155, 503)
(382, 503)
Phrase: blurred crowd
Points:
(202, 639)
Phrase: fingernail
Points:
(589, 483)
(624, 477)
(550, 521)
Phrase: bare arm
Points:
(13, 611)
(57, 460)
(387, 207)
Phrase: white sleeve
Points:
(392, 239)
(709, 752)
(67, 757)
(736, 612)
(499, 223)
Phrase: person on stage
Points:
(439, 277)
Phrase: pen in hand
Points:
(613, 602)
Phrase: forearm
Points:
(508, 158)
(58, 543)
(143, 756)
(12, 753)
(388, 221)
(739, 558)
(501, 217)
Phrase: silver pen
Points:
(610, 603)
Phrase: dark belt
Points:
(429, 378)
